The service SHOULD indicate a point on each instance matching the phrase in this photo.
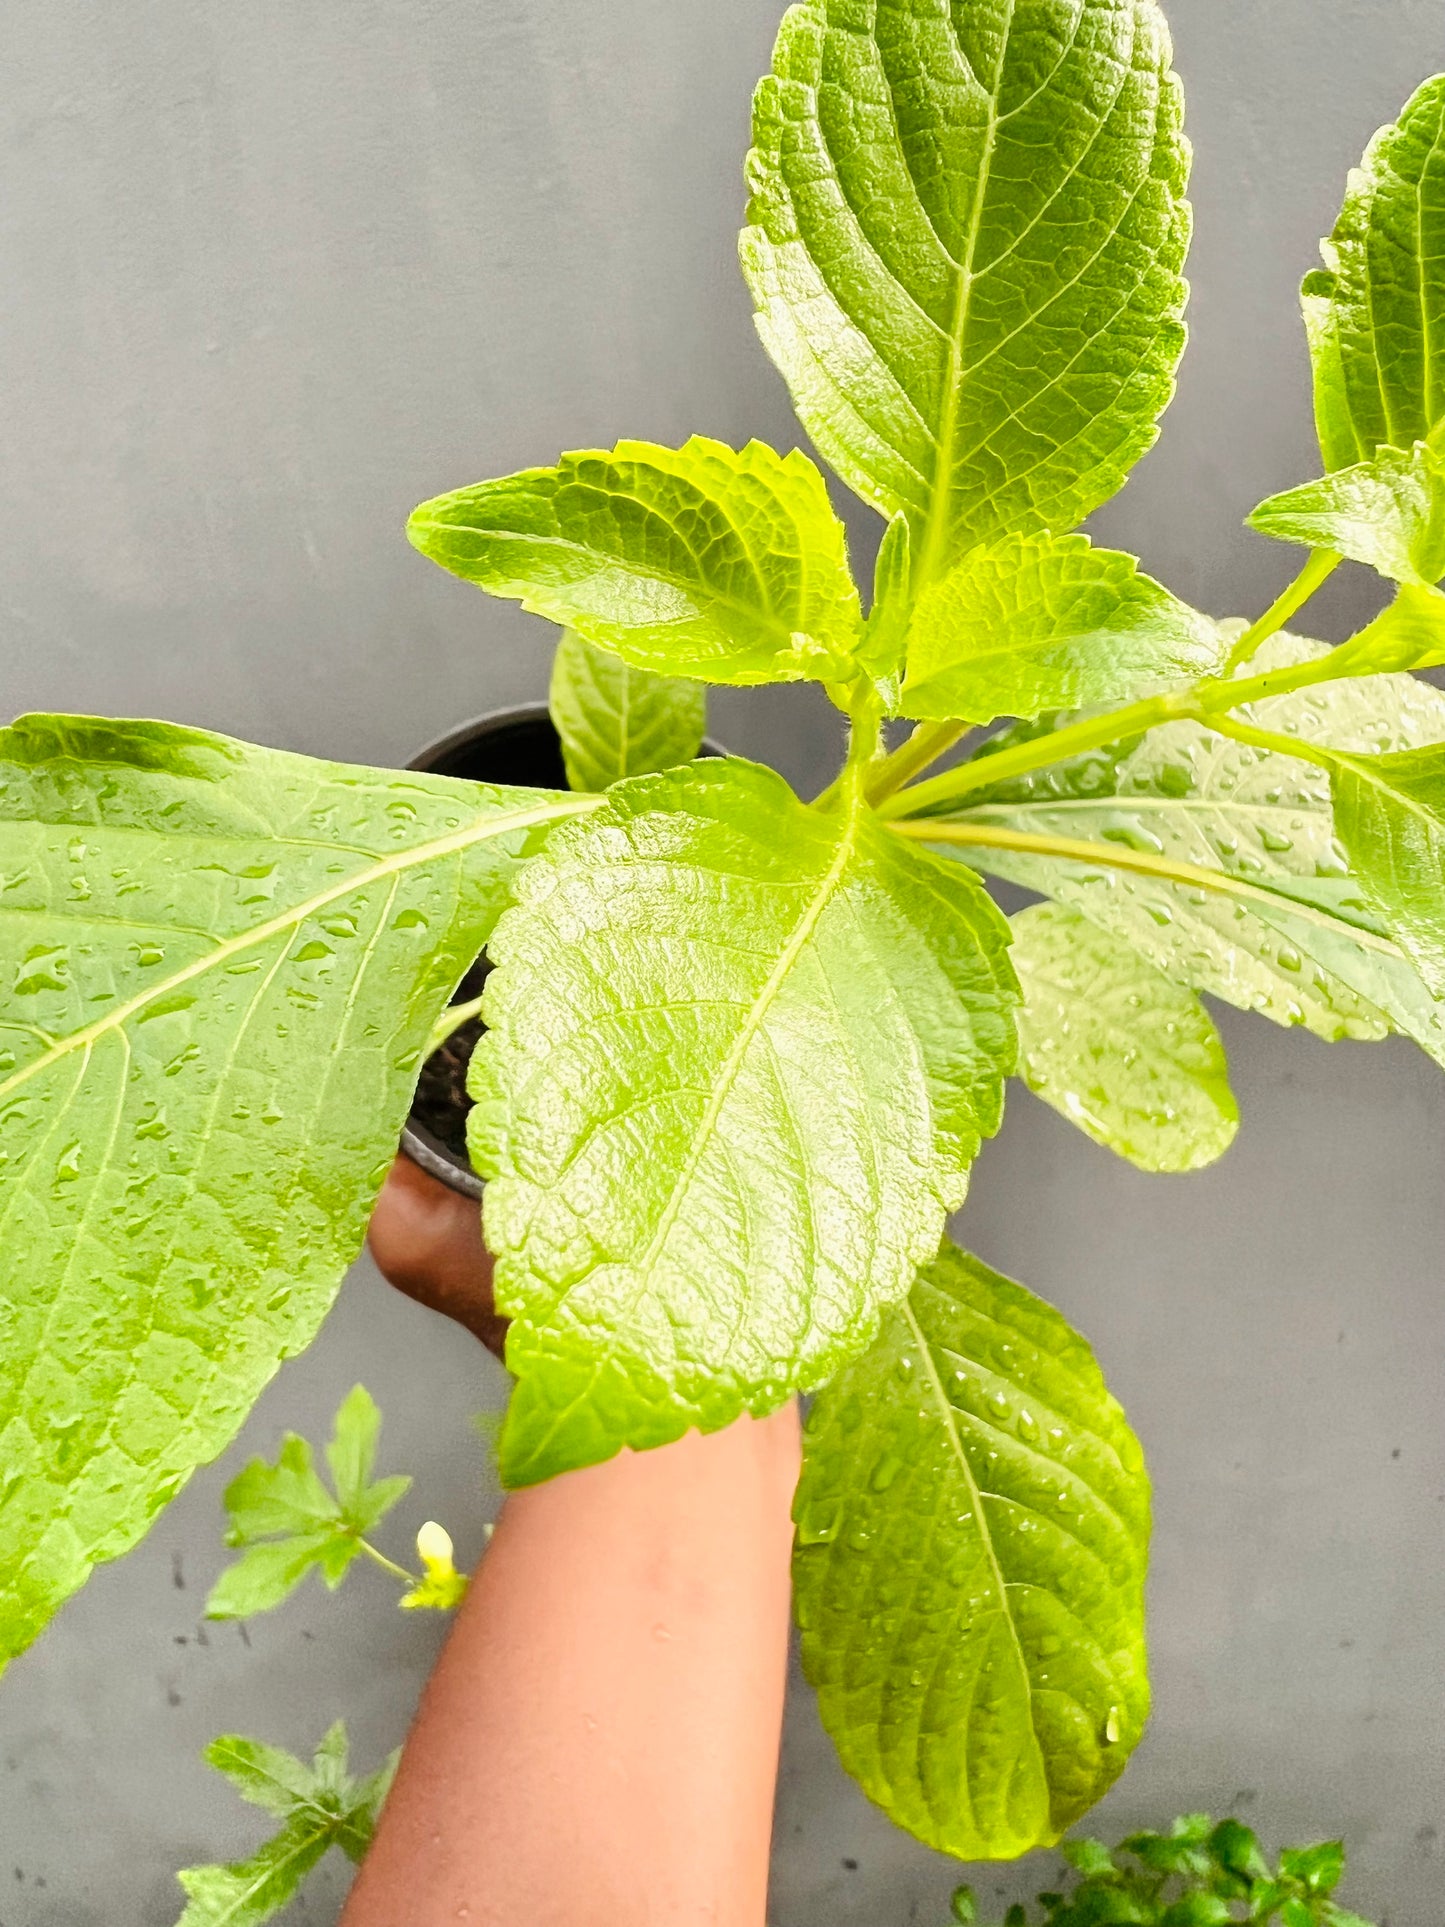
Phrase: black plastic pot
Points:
(505, 746)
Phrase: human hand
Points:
(427, 1241)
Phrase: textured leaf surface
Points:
(1186, 794)
(1039, 622)
(217, 968)
(617, 721)
(699, 561)
(1388, 513)
(1390, 813)
(1118, 1048)
(973, 1525)
(739, 1057)
(244, 1893)
(1375, 312)
(966, 243)
(320, 1806)
(289, 1522)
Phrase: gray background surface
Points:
(270, 274)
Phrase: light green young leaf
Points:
(1409, 634)
(1041, 622)
(218, 965)
(351, 1453)
(966, 243)
(266, 1776)
(1375, 313)
(266, 1575)
(320, 1806)
(1118, 1048)
(247, 1892)
(1320, 1867)
(698, 561)
(1264, 821)
(884, 648)
(287, 1504)
(740, 1054)
(973, 1527)
(1390, 815)
(1388, 513)
(617, 721)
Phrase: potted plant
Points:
(741, 1048)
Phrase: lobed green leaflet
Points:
(742, 1048)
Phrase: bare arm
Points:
(598, 1746)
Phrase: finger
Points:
(427, 1241)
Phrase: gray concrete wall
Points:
(272, 273)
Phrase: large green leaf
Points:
(966, 243)
(218, 965)
(1264, 821)
(1388, 513)
(1390, 814)
(973, 1526)
(1375, 312)
(617, 721)
(740, 1054)
(1048, 622)
(698, 561)
(1118, 1048)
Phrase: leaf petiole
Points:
(449, 1023)
(925, 745)
(1321, 565)
(1202, 703)
(1108, 856)
(387, 1565)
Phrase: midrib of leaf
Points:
(936, 532)
(688, 584)
(732, 1063)
(219, 1756)
(269, 1874)
(1426, 347)
(261, 933)
(950, 1424)
(1106, 856)
(624, 721)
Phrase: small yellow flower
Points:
(442, 1587)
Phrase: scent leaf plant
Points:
(742, 1047)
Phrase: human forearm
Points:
(598, 1746)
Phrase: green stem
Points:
(1276, 742)
(1320, 566)
(927, 743)
(1202, 703)
(387, 1565)
(450, 1021)
(1108, 856)
(865, 738)
(1091, 733)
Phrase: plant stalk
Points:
(1109, 856)
(1202, 703)
(387, 1565)
(1320, 566)
(925, 745)
(450, 1021)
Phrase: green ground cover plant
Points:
(1199, 1874)
(741, 1047)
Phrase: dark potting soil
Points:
(441, 1102)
